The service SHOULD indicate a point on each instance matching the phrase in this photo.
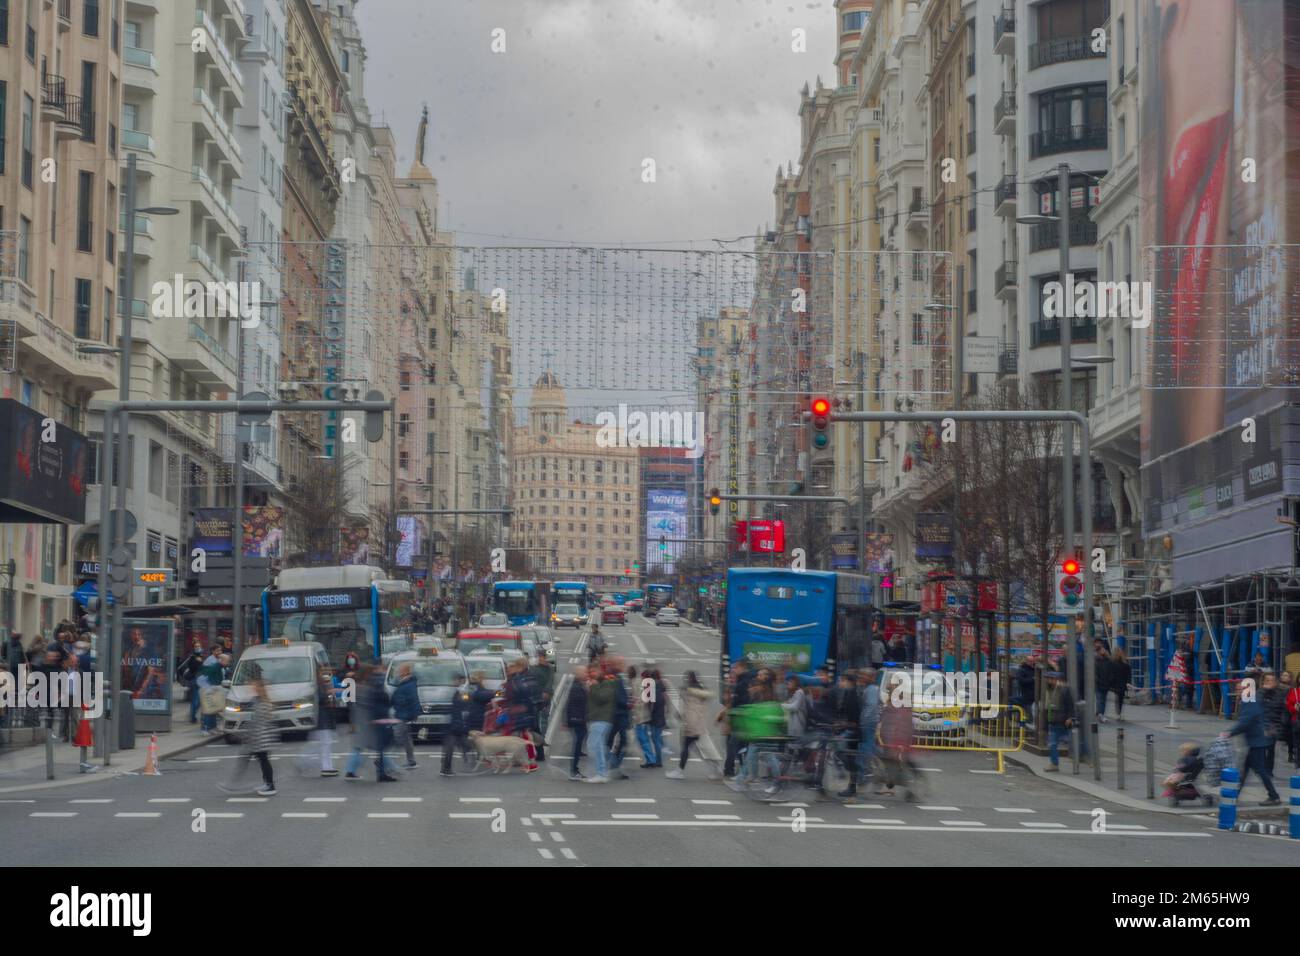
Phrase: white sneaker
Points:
(675, 775)
(598, 779)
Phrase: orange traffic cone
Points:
(85, 736)
(151, 758)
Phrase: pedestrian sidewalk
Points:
(24, 767)
(1141, 721)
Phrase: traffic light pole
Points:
(1076, 420)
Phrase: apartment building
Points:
(720, 343)
(61, 70)
(576, 504)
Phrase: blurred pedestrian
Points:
(622, 717)
(374, 725)
(737, 696)
(1251, 724)
(575, 718)
(187, 674)
(1121, 675)
(1059, 703)
(600, 718)
(1273, 703)
(896, 740)
(319, 752)
(868, 725)
(1102, 678)
(694, 720)
(457, 733)
(208, 682)
(259, 736)
(658, 716)
(406, 709)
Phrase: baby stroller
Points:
(1181, 784)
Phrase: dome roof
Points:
(548, 380)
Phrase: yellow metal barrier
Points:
(993, 728)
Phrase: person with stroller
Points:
(1181, 784)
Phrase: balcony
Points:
(1009, 362)
(1066, 139)
(1004, 33)
(217, 206)
(216, 48)
(139, 308)
(220, 129)
(143, 234)
(201, 256)
(1062, 50)
(1004, 114)
(75, 122)
(1004, 196)
(65, 15)
(135, 56)
(138, 141)
(58, 348)
(1083, 232)
(54, 97)
(313, 144)
(206, 359)
(1048, 331)
(1005, 284)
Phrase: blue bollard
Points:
(1229, 787)
(1295, 806)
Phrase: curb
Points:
(113, 771)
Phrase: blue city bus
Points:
(523, 602)
(634, 595)
(657, 596)
(344, 608)
(570, 592)
(775, 614)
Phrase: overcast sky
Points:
(545, 140)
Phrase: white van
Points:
(289, 669)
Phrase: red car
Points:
(615, 614)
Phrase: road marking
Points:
(546, 854)
(324, 799)
(479, 799)
(169, 799)
(713, 803)
(247, 799)
(716, 816)
(469, 816)
(534, 836)
(389, 816)
(557, 837)
(526, 821)
(930, 769)
(96, 800)
(1014, 810)
(558, 800)
(1040, 825)
(141, 816)
(554, 816)
(791, 819)
(634, 816)
(961, 823)
(205, 759)
(864, 806)
(1125, 826)
(21, 801)
(1082, 813)
(872, 820)
(756, 824)
(567, 853)
(634, 799)
(305, 816)
(52, 813)
(984, 771)
(681, 645)
(946, 809)
(790, 805)
(640, 647)
(559, 701)
(402, 800)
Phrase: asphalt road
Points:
(967, 814)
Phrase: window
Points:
(90, 21)
(1073, 108)
(85, 196)
(133, 36)
(82, 314)
(1067, 19)
(24, 240)
(4, 22)
(853, 21)
(130, 116)
(4, 99)
(157, 459)
(88, 101)
(29, 108)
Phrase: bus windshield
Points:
(515, 602)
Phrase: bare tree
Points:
(315, 509)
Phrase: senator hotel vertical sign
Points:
(733, 443)
(334, 322)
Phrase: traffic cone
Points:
(85, 736)
(151, 758)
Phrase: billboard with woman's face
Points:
(1220, 208)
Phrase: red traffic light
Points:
(1070, 566)
(821, 407)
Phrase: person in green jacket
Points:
(601, 699)
(756, 724)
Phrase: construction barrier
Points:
(986, 728)
(1295, 806)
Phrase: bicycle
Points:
(822, 762)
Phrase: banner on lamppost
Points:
(879, 552)
(934, 537)
(844, 551)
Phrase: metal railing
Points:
(1005, 22)
(1004, 190)
(1083, 232)
(1004, 275)
(1064, 139)
(1005, 106)
(1062, 50)
(1009, 361)
(219, 351)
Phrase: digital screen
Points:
(289, 602)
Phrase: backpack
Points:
(1218, 755)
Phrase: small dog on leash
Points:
(501, 752)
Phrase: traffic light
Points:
(715, 501)
(1069, 587)
(821, 421)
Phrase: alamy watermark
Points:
(923, 688)
(63, 689)
(676, 429)
(189, 299)
(1085, 299)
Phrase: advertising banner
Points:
(766, 537)
(212, 530)
(147, 664)
(879, 553)
(42, 468)
(263, 531)
(409, 546)
(934, 537)
(844, 551)
(1222, 231)
(665, 517)
(354, 545)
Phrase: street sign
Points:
(980, 353)
(87, 592)
(249, 418)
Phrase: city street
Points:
(967, 815)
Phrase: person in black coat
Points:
(575, 718)
(1121, 675)
(460, 726)
(739, 698)
(479, 698)
(1024, 684)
